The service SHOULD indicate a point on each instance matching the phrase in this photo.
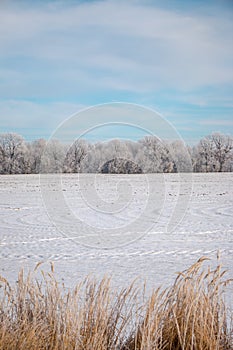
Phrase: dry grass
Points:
(190, 315)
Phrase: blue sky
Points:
(58, 57)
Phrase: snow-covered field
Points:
(28, 235)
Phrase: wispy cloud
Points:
(146, 46)
(32, 119)
(87, 52)
(219, 122)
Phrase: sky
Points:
(58, 57)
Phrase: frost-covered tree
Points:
(75, 156)
(120, 166)
(149, 155)
(93, 158)
(213, 153)
(133, 148)
(222, 150)
(36, 150)
(155, 156)
(102, 152)
(180, 154)
(53, 157)
(12, 148)
(205, 161)
(25, 163)
(117, 149)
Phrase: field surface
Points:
(185, 219)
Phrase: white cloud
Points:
(217, 122)
(94, 52)
(25, 115)
(145, 47)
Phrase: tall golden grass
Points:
(39, 313)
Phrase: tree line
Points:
(213, 153)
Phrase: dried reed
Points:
(41, 314)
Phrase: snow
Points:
(132, 225)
